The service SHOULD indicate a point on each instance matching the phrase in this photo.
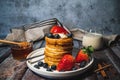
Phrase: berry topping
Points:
(53, 67)
(45, 65)
(36, 66)
(66, 63)
(74, 68)
(50, 35)
(69, 35)
(48, 69)
(56, 36)
(58, 29)
(82, 64)
(40, 63)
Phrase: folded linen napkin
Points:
(36, 31)
(32, 32)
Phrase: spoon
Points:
(21, 44)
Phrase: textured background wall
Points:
(102, 15)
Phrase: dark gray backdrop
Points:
(100, 15)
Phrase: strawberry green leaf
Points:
(84, 50)
(90, 50)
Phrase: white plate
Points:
(55, 74)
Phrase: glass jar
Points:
(19, 52)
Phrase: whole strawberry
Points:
(66, 63)
(58, 29)
(81, 56)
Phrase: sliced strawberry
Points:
(81, 56)
(58, 29)
(66, 63)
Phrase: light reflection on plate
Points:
(55, 74)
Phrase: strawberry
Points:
(81, 56)
(66, 63)
(58, 29)
(84, 53)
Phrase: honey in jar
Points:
(21, 52)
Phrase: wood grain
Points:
(11, 69)
(7, 67)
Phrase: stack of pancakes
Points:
(56, 48)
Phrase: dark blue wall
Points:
(102, 15)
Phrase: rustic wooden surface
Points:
(11, 69)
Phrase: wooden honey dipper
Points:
(21, 44)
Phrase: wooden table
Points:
(11, 69)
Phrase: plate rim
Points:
(55, 74)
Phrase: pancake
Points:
(61, 41)
(55, 49)
(52, 59)
(54, 55)
(58, 47)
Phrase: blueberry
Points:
(45, 65)
(70, 35)
(53, 67)
(82, 64)
(48, 69)
(40, 63)
(49, 35)
(74, 68)
(36, 66)
(56, 36)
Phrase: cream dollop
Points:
(63, 35)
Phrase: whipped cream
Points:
(63, 35)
